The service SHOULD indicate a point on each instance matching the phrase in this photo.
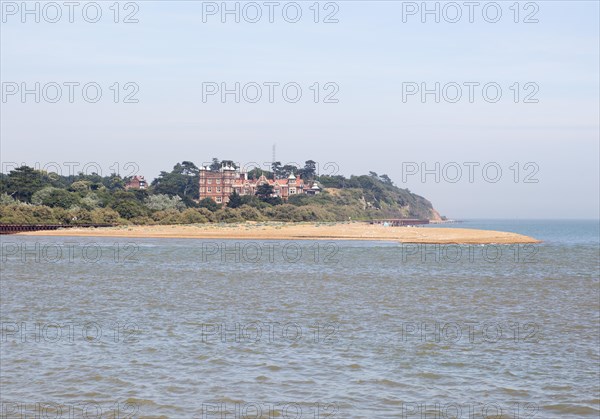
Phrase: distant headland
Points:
(221, 200)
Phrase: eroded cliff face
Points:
(435, 215)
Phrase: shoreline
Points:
(298, 231)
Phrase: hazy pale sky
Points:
(373, 54)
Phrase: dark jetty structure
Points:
(21, 228)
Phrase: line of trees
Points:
(33, 196)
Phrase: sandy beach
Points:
(299, 231)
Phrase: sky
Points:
(512, 131)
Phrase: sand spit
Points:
(299, 231)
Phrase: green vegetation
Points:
(29, 196)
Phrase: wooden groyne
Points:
(21, 228)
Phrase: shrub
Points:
(313, 213)
(142, 221)
(15, 214)
(253, 201)
(206, 213)
(209, 204)
(163, 202)
(6, 199)
(43, 214)
(61, 215)
(228, 215)
(250, 214)
(300, 199)
(285, 212)
(80, 216)
(192, 216)
(170, 216)
(105, 216)
(129, 209)
(90, 202)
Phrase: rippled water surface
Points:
(197, 328)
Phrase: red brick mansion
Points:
(218, 185)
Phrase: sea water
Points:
(102, 327)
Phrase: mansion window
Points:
(219, 200)
(209, 181)
(202, 189)
(292, 191)
(209, 189)
(218, 189)
(218, 181)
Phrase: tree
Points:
(309, 171)
(23, 182)
(258, 172)
(129, 209)
(209, 204)
(90, 201)
(183, 181)
(128, 204)
(215, 165)
(93, 178)
(276, 168)
(190, 180)
(42, 197)
(386, 179)
(253, 201)
(229, 163)
(114, 182)
(235, 200)
(273, 200)
(287, 170)
(264, 191)
(337, 181)
(80, 186)
(188, 168)
(55, 197)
